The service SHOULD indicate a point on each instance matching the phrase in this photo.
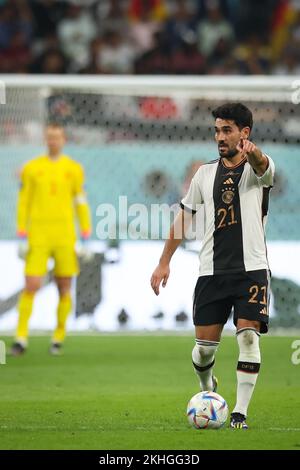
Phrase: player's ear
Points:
(245, 133)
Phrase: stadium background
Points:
(134, 83)
(143, 138)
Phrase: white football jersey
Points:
(236, 204)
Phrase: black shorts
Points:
(247, 293)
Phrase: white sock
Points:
(247, 368)
(203, 357)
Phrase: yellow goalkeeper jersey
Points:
(51, 197)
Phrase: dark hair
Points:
(237, 112)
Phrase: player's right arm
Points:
(24, 201)
(177, 234)
(179, 229)
(23, 207)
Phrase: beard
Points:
(228, 153)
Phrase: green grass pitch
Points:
(131, 392)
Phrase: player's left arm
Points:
(254, 155)
(81, 204)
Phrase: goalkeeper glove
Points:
(22, 246)
(83, 250)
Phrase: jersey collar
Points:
(235, 166)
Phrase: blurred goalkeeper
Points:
(51, 197)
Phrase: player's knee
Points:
(64, 287)
(196, 356)
(248, 338)
(63, 293)
(248, 341)
(33, 285)
(203, 353)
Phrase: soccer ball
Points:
(207, 410)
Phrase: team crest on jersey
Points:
(228, 196)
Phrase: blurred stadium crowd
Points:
(150, 36)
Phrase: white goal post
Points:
(259, 87)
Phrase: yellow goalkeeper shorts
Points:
(65, 260)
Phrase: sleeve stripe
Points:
(187, 209)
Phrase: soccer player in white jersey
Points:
(234, 269)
